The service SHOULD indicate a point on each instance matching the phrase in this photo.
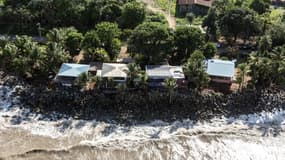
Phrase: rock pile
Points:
(127, 106)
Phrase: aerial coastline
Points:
(142, 79)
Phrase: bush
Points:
(209, 50)
(190, 17)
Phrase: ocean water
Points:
(29, 136)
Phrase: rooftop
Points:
(72, 70)
(114, 70)
(164, 71)
(207, 3)
(220, 68)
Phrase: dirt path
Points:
(151, 6)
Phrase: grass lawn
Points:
(198, 21)
(164, 5)
(183, 21)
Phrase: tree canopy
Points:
(195, 70)
(23, 16)
(133, 14)
(150, 40)
(108, 34)
(239, 22)
(260, 6)
(186, 41)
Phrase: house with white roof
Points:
(158, 73)
(221, 73)
(69, 72)
(116, 71)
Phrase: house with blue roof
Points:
(221, 73)
(69, 72)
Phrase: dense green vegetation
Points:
(277, 15)
(27, 58)
(96, 30)
(29, 16)
(251, 21)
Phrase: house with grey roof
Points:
(69, 72)
(158, 73)
(221, 73)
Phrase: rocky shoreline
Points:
(138, 106)
(135, 106)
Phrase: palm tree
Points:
(133, 73)
(143, 80)
(267, 68)
(170, 85)
(261, 70)
(265, 44)
(55, 56)
(278, 62)
(56, 35)
(97, 80)
(82, 80)
(9, 52)
(266, 21)
(59, 35)
(242, 72)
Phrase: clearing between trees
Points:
(150, 4)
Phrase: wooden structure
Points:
(278, 2)
(198, 7)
